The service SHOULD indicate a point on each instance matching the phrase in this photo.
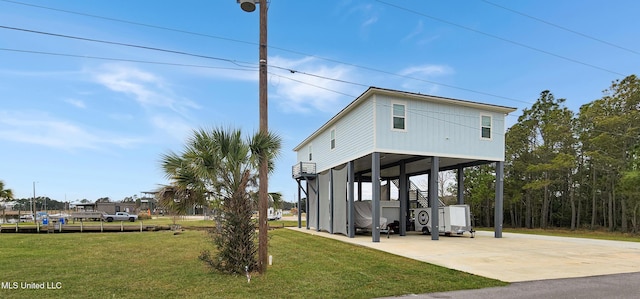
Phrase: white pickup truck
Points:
(120, 216)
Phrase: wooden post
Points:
(140, 225)
(101, 226)
(81, 227)
(263, 176)
(121, 226)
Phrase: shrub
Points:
(144, 216)
(235, 238)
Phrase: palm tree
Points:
(5, 194)
(276, 198)
(220, 163)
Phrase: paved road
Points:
(620, 286)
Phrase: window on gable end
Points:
(399, 116)
(486, 122)
(333, 138)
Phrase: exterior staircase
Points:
(418, 195)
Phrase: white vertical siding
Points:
(434, 126)
(438, 129)
(354, 138)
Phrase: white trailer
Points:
(273, 214)
(453, 219)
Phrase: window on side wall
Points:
(486, 121)
(310, 153)
(333, 138)
(399, 116)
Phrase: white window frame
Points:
(310, 151)
(332, 138)
(393, 116)
(482, 126)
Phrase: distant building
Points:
(7, 205)
(108, 207)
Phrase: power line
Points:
(237, 69)
(130, 22)
(561, 27)
(318, 76)
(417, 112)
(272, 47)
(500, 38)
(240, 63)
(198, 66)
(412, 78)
(313, 85)
(334, 60)
(127, 60)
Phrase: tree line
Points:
(40, 203)
(566, 169)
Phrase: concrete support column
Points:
(498, 215)
(360, 188)
(318, 203)
(433, 198)
(375, 194)
(428, 187)
(299, 210)
(351, 229)
(306, 204)
(403, 196)
(460, 185)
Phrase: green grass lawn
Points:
(164, 265)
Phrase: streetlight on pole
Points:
(263, 187)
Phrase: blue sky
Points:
(82, 127)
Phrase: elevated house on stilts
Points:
(388, 136)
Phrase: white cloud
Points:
(416, 31)
(367, 14)
(311, 93)
(165, 110)
(419, 36)
(76, 103)
(175, 127)
(424, 73)
(429, 70)
(121, 116)
(147, 89)
(370, 21)
(41, 129)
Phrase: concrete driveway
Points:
(513, 258)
